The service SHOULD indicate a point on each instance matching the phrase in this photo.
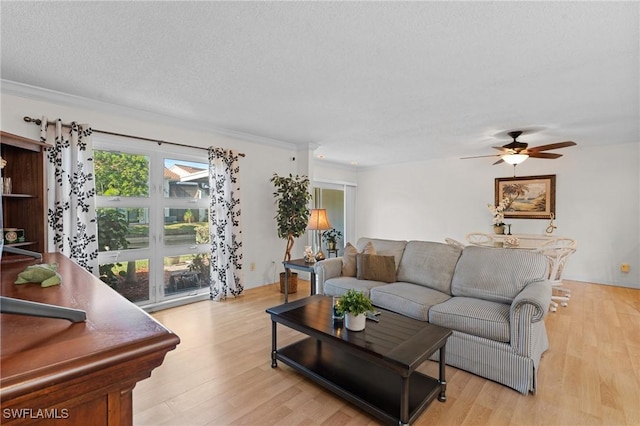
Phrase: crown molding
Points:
(336, 165)
(65, 99)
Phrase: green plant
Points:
(292, 198)
(188, 216)
(354, 302)
(112, 229)
(119, 173)
(331, 236)
(112, 235)
(201, 261)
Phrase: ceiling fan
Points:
(516, 152)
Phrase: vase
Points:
(355, 322)
(331, 245)
(498, 229)
(336, 315)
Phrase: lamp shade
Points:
(318, 220)
(514, 158)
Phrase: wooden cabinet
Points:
(54, 372)
(25, 207)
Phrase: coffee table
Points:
(373, 369)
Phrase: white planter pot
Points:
(355, 322)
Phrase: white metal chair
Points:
(480, 239)
(557, 251)
(454, 243)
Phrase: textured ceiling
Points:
(367, 82)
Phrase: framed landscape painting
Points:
(528, 197)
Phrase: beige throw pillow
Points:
(349, 262)
(376, 268)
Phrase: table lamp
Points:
(318, 222)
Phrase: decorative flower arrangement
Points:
(498, 212)
(331, 236)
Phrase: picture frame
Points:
(530, 197)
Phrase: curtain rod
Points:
(38, 122)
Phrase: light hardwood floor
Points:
(221, 372)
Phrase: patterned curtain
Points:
(224, 224)
(71, 215)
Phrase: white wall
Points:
(333, 173)
(261, 244)
(597, 199)
(597, 203)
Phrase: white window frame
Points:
(156, 204)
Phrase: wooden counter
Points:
(53, 371)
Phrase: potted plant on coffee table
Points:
(292, 200)
(354, 305)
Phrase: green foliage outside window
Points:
(200, 262)
(123, 174)
(188, 216)
(112, 235)
(118, 174)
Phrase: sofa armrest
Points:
(326, 269)
(530, 306)
(538, 294)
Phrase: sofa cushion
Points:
(349, 261)
(376, 268)
(407, 299)
(496, 274)
(473, 316)
(339, 286)
(429, 264)
(384, 247)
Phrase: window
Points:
(153, 230)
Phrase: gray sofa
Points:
(494, 300)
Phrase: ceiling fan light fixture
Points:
(514, 159)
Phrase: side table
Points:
(300, 265)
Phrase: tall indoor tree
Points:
(292, 198)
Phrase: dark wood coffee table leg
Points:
(274, 350)
(442, 380)
(404, 401)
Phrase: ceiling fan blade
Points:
(551, 146)
(481, 156)
(549, 155)
(503, 149)
(498, 162)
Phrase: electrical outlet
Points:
(624, 267)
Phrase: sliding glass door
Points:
(338, 200)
